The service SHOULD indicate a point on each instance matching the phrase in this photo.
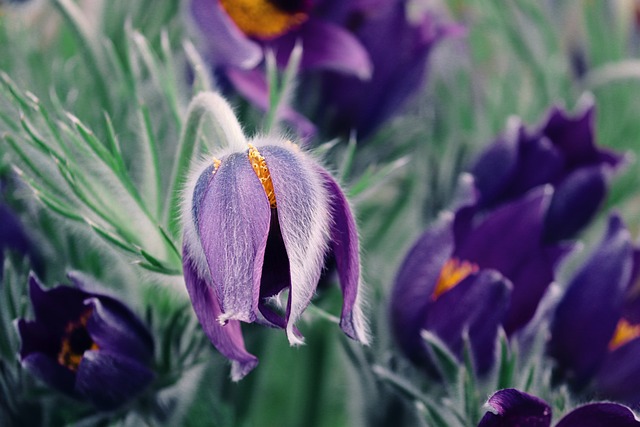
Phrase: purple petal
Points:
(226, 44)
(414, 285)
(476, 306)
(252, 85)
(575, 202)
(304, 217)
(494, 168)
(587, 316)
(599, 414)
(619, 374)
(114, 328)
(345, 249)
(58, 306)
(49, 371)
(233, 218)
(109, 380)
(37, 337)
(510, 407)
(228, 338)
(326, 46)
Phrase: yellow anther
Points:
(262, 172)
(624, 333)
(216, 164)
(75, 342)
(263, 18)
(453, 272)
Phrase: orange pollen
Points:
(262, 172)
(453, 272)
(216, 165)
(75, 342)
(262, 18)
(624, 333)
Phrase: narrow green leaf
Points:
(446, 362)
(202, 80)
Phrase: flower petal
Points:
(586, 318)
(48, 370)
(228, 338)
(414, 285)
(226, 44)
(510, 407)
(233, 216)
(304, 217)
(36, 337)
(326, 46)
(345, 249)
(113, 327)
(476, 306)
(619, 374)
(109, 380)
(601, 414)
(575, 202)
(58, 306)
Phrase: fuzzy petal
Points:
(345, 249)
(510, 407)
(227, 45)
(48, 370)
(109, 380)
(233, 216)
(228, 338)
(326, 46)
(600, 414)
(587, 316)
(476, 306)
(304, 217)
(113, 327)
(414, 284)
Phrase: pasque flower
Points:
(514, 408)
(573, 164)
(85, 344)
(261, 217)
(465, 274)
(596, 328)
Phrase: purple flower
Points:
(513, 408)
(472, 276)
(596, 329)
(576, 168)
(259, 218)
(87, 345)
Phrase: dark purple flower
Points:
(87, 345)
(595, 331)
(513, 408)
(561, 152)
(262, 217)
(473, 276)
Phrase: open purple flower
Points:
(87, 345)
(573, 164)
(259, 218)
(514, 408)
(595, 335)
(465, 275)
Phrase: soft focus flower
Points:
(260, 217)
(595, 331)
(87, 345)
(468, 275)
(14, 237)
(513, 408)
(561, 152)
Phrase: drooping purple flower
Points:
(87, 345)
(514, 408)
(562, 153)
(260, 218)
(465, 275)
(596, 328)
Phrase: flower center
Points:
(624, 333)
(262, 172)
(452, 273)
(75, 342)
(266, 19)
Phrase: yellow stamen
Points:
(262, 172)
(216, 165)
(453, 272)
(262, 18)
(624, 333)
(75, 342)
